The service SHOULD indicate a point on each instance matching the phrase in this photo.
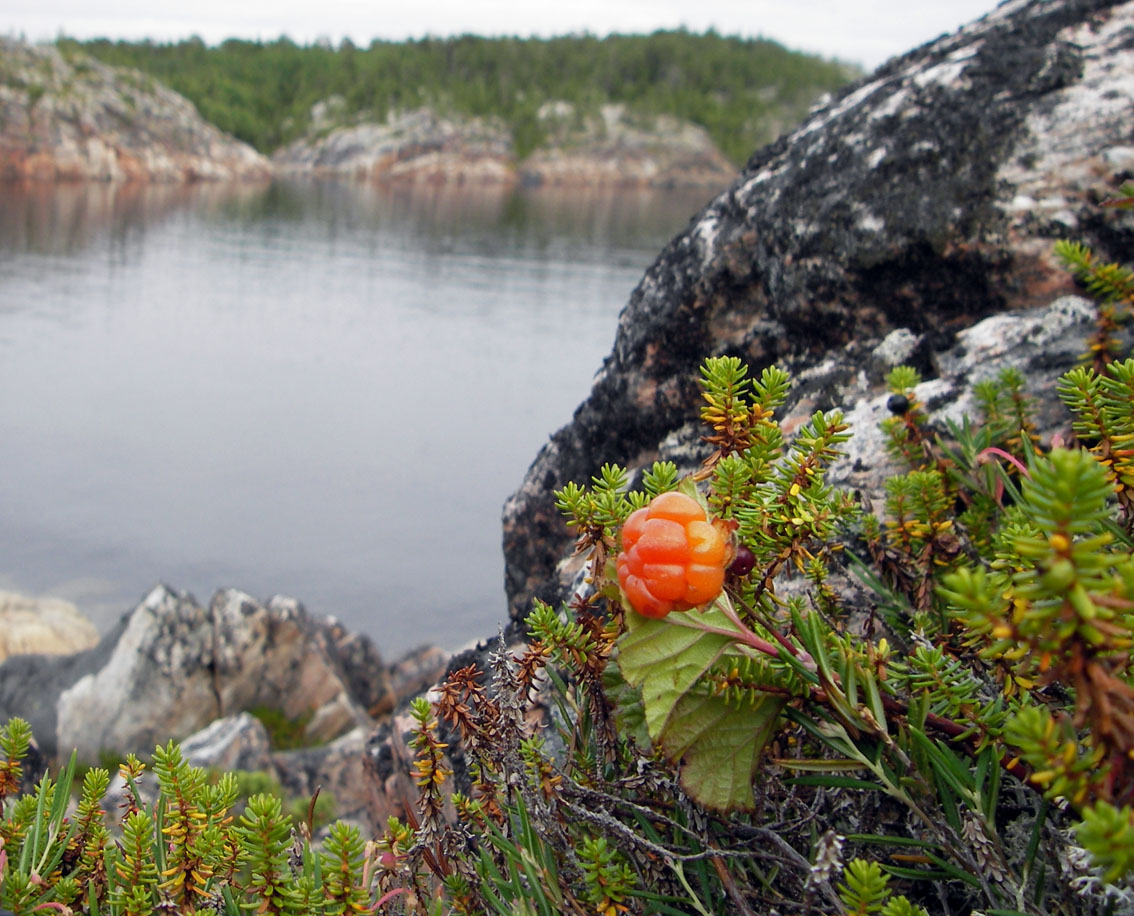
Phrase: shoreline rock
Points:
(613, 149)
(171, 667)
(416, 147)
(72, 118)
(616, 148)
(65, 116)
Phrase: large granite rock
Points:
(924, 197)
(171, 667)
(337, 769)
(69, 116)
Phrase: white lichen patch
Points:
(851, 102)
(761, 177)
(1061, 141)
(705, 235)
(1119, 158)
(897, 101)
(896, 347)
(949, 72)
(998, 334)
(868, 221)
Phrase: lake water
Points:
(316, 389)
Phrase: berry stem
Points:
(742, 634)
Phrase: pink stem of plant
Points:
(743, 634)
(993, 450)
(388, 896)
(985, 456)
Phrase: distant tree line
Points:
(743, 91)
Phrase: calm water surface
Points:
(322, 390)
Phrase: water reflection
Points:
(323, 389)
(65, 218)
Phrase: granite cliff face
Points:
(65, 117)
(618, 149)
(922, 198)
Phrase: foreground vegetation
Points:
(931, 711)
(743, 91)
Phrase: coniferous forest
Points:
(744, 92)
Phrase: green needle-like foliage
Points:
(1108, 833)
(1106, 282)
(964, 717)
(907, 440)
(135, 874)
(608, 879)
(15, 739)
(266, 832)
(864, 888)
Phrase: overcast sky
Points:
(862, 31)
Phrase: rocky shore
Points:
(70, 117)
(66, 116)
(173, 668)
(611, 148)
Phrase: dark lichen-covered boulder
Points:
(924, 197)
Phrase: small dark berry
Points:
(898, 404)
(742, 563)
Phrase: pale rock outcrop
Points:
(611, 149)
(237, 742)
(42, 625)
(336, 769)
(616, 148)
(69, 116)
(172, 666)
(416, 146)
(341, 769)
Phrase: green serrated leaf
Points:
(720, 747)
(665, 660)
(717, 744)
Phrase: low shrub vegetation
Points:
(928, 710)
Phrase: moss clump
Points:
(284, 733)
